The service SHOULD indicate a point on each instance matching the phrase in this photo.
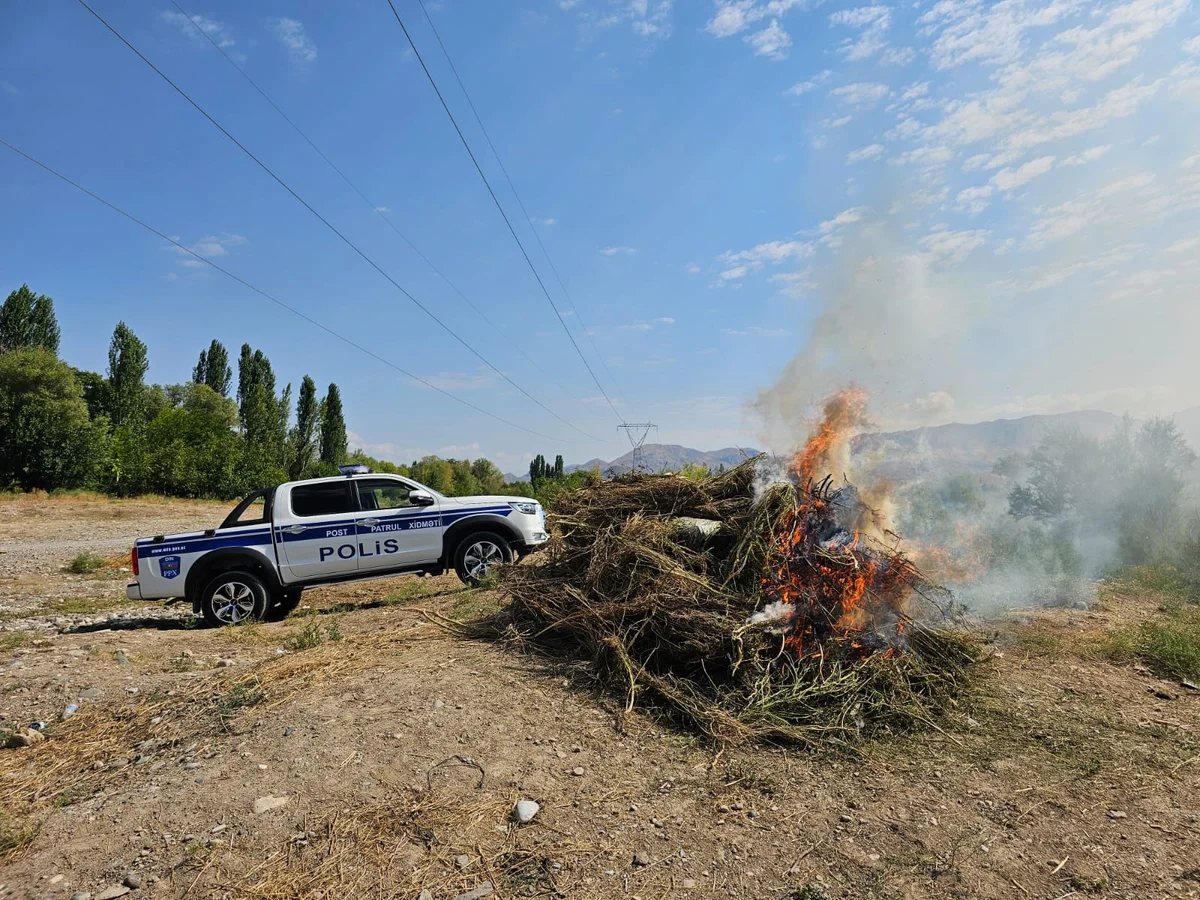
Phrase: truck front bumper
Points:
(133, 591)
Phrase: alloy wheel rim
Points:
(480, 557)
(233, 602)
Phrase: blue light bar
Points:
(355, 469)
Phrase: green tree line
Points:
(218, 435)
(66, 428)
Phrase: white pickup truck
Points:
(278, 541)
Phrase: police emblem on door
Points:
(169, 566)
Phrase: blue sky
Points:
(974, 210)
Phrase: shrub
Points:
(86, 563)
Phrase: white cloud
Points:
(975, 200)
(924, 156)
(898, 56)
(946, 245)
(692, 269)
(548, 222)
(729, 20)
(871, 151)
(9, 88)
(1192, 46)
(803, 87)
(211, 246)
(770, 253)
(382, 209)
(618, 251)
(841, 220)
(734, 274)
(664, 320)
(872, 22)
(1009, 179)
(735, 16)
(292, 35)
(794, 284)
(835, 123)
(772, 42)
(1087, 156)
(754, 331)
(218, 31)
(863, 93)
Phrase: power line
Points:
(349, 243)
(374, 208)
(262, 293)
(503, 214)
(512, 187)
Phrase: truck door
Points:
(316, 531)
(392, 530)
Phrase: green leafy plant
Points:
(86, 563)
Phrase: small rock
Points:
(225, 663)
(425, 895)
(1118, 814)
(57, 878)
(133, 880)
(81, 895)
(92, 693)
(525, 811)
(217, 829)
(577, 771)
(289, 731)
(266, 804)
(689, 884)
(477, 892)
(438, 704)
(112, 892)
(641, 859)
(191, 765)
(462, 860)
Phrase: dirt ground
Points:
(359, 748)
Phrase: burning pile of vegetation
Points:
(778, 613)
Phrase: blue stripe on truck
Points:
(204, 544)
(262, 537)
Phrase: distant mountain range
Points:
(902, 454)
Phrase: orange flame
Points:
(844, 589)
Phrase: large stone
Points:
(112, 892)
(266, 804)
(525, 811)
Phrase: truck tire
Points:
(233, 598)
(285, 604)
(477, 553)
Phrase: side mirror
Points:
(421, 498)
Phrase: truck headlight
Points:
(530, 509)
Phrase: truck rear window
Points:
(328, 499)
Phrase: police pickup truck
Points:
(279, 541)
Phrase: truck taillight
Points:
(133, 561)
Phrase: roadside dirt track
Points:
(1065, 776)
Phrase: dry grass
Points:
(662, 614)
(402, 846)
(100, 743)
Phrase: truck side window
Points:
(383, 493)
(327, 499)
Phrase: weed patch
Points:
(86, 563)
(313, 633)
(1170, 648)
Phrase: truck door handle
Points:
(295, 529)
(369, 522)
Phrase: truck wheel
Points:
(233, 598)
(283, 607)
(479, 553)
